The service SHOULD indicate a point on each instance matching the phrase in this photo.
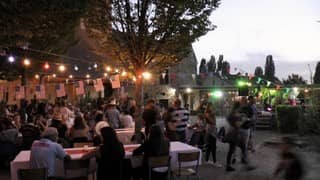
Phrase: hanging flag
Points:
(40, 92)
(79, 87)
(115, 81)
(98, 85)
(60, 90)
(19, 92)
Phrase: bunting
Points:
(60, 90)
(19, 92)
(40, 92)
(98, 85)
(115, 81)
(79, 87)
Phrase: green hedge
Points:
(288, 118)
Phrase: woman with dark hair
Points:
(110, 156)
(155, 145)
(79, 131)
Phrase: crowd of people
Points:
(46, 129)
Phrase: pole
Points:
(311, 81)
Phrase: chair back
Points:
(36, 173)
(158, 162)
(189, 157)
(82, 144)
(76, 164)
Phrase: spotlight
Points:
(62, 68)
(26, 62)
(11, 59)
(46, 66)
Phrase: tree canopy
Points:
(316, 78)
(258, 71)
(269, 71)
(148, 34)
(40, 24)
(212, 64)
(294, 79)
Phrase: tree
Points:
(219, 65)
(40, 24)
(203, 66)
(269, 70)
(46, 25)
(316, 78)
(225, 68)
(148, 35)
(211, 65)
(294, 79)
(258, 71)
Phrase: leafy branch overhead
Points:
(148, 34)
(40, 24)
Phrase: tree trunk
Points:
(139, 102)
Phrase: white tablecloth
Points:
(22, 159)
(125, 135)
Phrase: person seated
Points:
(45, 151)
(126, 120)
(100, 123)
(30, 132)
(79, 132)
(155, 145)
(8, 132)
(110, 156)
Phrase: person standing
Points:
(181, 117)
(149, 115)
(253, 119)
(211, 134)
(113, 115)
(236, 137)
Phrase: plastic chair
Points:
(80, 164)
(82, 144)
(184, 171)
(36, 173)
(157, 163)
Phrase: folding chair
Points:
(187, 171)
(156, 164)
(36, 174)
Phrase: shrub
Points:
(288, 118)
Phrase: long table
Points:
(22, 159)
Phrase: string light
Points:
(76, 68)
(54, 75)
(46, 66)
(70, 76)
(11, 59)
(37, 76)
(146, 75)
(124, 73)
(88, 76)
(95, 65)
(105, 74)
(62, 68)
(116, 70)
(26, 62)
(108, 68)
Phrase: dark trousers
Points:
(211, 148)
(232, 148)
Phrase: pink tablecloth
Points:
(22, 159)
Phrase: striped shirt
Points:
(181, 117)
